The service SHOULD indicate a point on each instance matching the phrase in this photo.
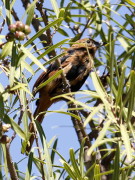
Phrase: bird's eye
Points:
(88, 41)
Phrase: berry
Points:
(10, 36)
(19, 35)
(12, 28)
(4, 139)
(19, 26)
(76, 27)
(27, 29)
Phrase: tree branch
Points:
(10, 164)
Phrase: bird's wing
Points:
(51, 70)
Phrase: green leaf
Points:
(46, 152)
(13, 65)
(99, 4)
(64, 33)
(65, 96)
(130, 2)
(126, 140)
(124, 43)
(61, 14)
(69, 170)
(25, 113)
(12, 4)
(5, 161)
(21, 86)
(49, 80)
(32, 57)
(95, 110)
(131, 95)
(30, 12)
(29, 167)
(15, 126)
(97, 172)
(130, 19)
(67, 113)
(120, 86)
(6, 50)
(52, 48)
(127, 55)
(27, 67)
(53, 153)
(42, 31)
(81, 157)
(1, 107)
(74, 164)
(8, 12)
(116, 164)
(55, 7)
(100, 137)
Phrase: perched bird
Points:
(76, 64)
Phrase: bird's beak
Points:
(102, 44)
(98, 45)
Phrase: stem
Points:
(10, 164)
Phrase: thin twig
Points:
(10, 164)
(39, 153)
(20, 117)
(45, 20)
(2, 26)
(78, 125)
(37, 26)
(37, 143)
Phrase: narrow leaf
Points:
(68, 169)
(55, 7)
(49, 80)
(126, 140)
(29, 166)
(6, 50)
(116, 164)
(30, 12)
(74, 164)
(52, 48)
(15, 126)
(95, 110)
(100, 137)
(130, 2)
(32, 57)
(42, 31)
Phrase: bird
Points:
(76, 63)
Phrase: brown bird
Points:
(76, 64)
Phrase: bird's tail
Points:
(42, 106)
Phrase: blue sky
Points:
(54, 124)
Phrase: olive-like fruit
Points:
(76, 27)
(27, 29)
(10, 36)
(4, 139)
(6, 127)
(19, 26)
(19, 35)
(12, 28)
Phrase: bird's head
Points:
(88, 44)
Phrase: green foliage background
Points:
(109, 110)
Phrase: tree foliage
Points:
(107, 148)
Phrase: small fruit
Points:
(19, 26)
(76, 27)
(27, 29)
(19, 35)
(5, 139)
(10, 36)
(6, 127)
(12, 28)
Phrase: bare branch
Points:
(10, 164)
